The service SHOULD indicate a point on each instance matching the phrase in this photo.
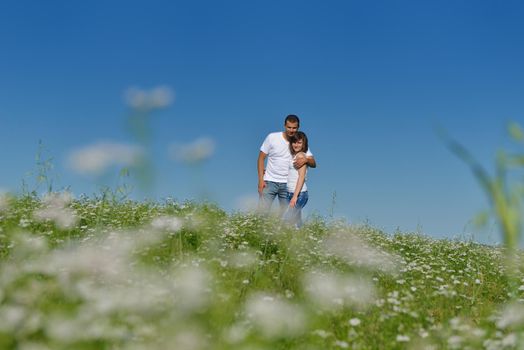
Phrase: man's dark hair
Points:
(292, 119)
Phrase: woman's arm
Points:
(300, 184)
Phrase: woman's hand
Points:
(293, 202)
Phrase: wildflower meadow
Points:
(98, 273)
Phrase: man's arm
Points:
(260, 167)
(311, 162)
(300, 162)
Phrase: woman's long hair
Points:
(297, 137)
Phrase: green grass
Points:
(145, 275)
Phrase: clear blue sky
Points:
(369, 79)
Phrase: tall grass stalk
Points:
(504, 196)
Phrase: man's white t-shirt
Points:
(278, 157)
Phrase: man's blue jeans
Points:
(294, 215)
(272, 190)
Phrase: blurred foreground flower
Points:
(55, 209)
(169, 223)
(57, 199)
(355, 322)
(148, 100)
(243, 259)
(275, 318)
(354, 251)
(194, 152)
(191, 287)
(511, 316)
(334, 291)
(96, 158)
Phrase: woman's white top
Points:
(292, 178)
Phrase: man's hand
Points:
(260, 168)
(299, 162)
(261, 186)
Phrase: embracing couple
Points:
(288, 158)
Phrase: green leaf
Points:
(516, 132)
(516, 160)
(481, 219)
(124, 172)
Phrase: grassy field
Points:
(93, 273)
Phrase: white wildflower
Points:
(275, 317)
(423, 333)
(191, 339)
(454, 322)
(341, 344)
(479, 333)
(24, 222)
(353, 250)
(139, 293)
(57, 199)
(332, 291)
(477, 281)
(83, 327)
(510, 340)
(243, 259)
(161, 96)
(64, 329)
(169, 223)
(402, 338)
(236, 334)
(55, 209)
(63, 217)
(194, 152)
(492, 344)
(513, 314)
(28, 244)
(354, 322)
(33, 346)
(88, 260)
(321, 333)
(156, 98)
(191, 287)
(11, 317)
(95, 159)
(455, 341)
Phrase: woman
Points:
(297, 195)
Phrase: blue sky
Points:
(370, 80)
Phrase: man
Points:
(272, 181)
